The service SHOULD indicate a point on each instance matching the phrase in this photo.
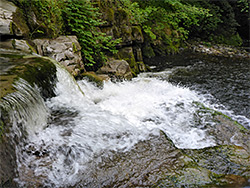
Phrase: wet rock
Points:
(92, 77)
(220, 50)
(118, 68)
(7, 9)
(31, 70)
(156, 162)
(224, 130)
(64, 49)
(12, 22)
(16, 44)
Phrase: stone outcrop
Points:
(13, 26)
(118, 26)
(16, 44)
(64, 49)
(12, 22)
(119, 69)
(219, 50)
(7, 9)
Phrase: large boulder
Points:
(7, 9)
(118, 69)
(11, 20)
(64, 49)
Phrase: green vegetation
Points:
(82, 20)
(221, 26)
(165, 24)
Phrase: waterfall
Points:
(26, 109)
(77, 127)
(57, 139)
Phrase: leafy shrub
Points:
(82, 20)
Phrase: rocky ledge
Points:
(219, 50)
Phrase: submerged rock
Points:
(158, 163)
(92, 77)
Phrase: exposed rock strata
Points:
(119, 69)
(118, 26)
(64, 49)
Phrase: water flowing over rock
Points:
(143, 132)
(64, 49)
(25, 82)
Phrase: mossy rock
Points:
(19, 25)
(137, 34)
(210, 167)
(121, 17)
(127, 55)
(110, 15)
(35, 70)
(92, 77)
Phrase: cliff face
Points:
(117, 24)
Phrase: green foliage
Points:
(244, 5)
(48, 17)
(165, 23)
(49, 13)
(168, 14)
(221, 26)
(82, 20)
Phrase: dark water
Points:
(226, 79)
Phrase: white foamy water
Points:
(113, 118)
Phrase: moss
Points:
(215, 113)
(13, 43)
(127, 55)
(32, 50)
(6, 84)
(137, 34)
(136, 30)
(74, 47)
(35, 70)
(11, 28)
(121, 16)
(116, 32)
(20, 23)
(14, 56)
(110, 15)
(126, 32)
(92, 77)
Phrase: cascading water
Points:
(113, 118)
(67, 131)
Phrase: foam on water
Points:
(113, 118)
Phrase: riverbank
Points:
(218, 50)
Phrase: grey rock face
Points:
(119, 68)
(64, 49)
(6, 15)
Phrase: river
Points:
(85, 126)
